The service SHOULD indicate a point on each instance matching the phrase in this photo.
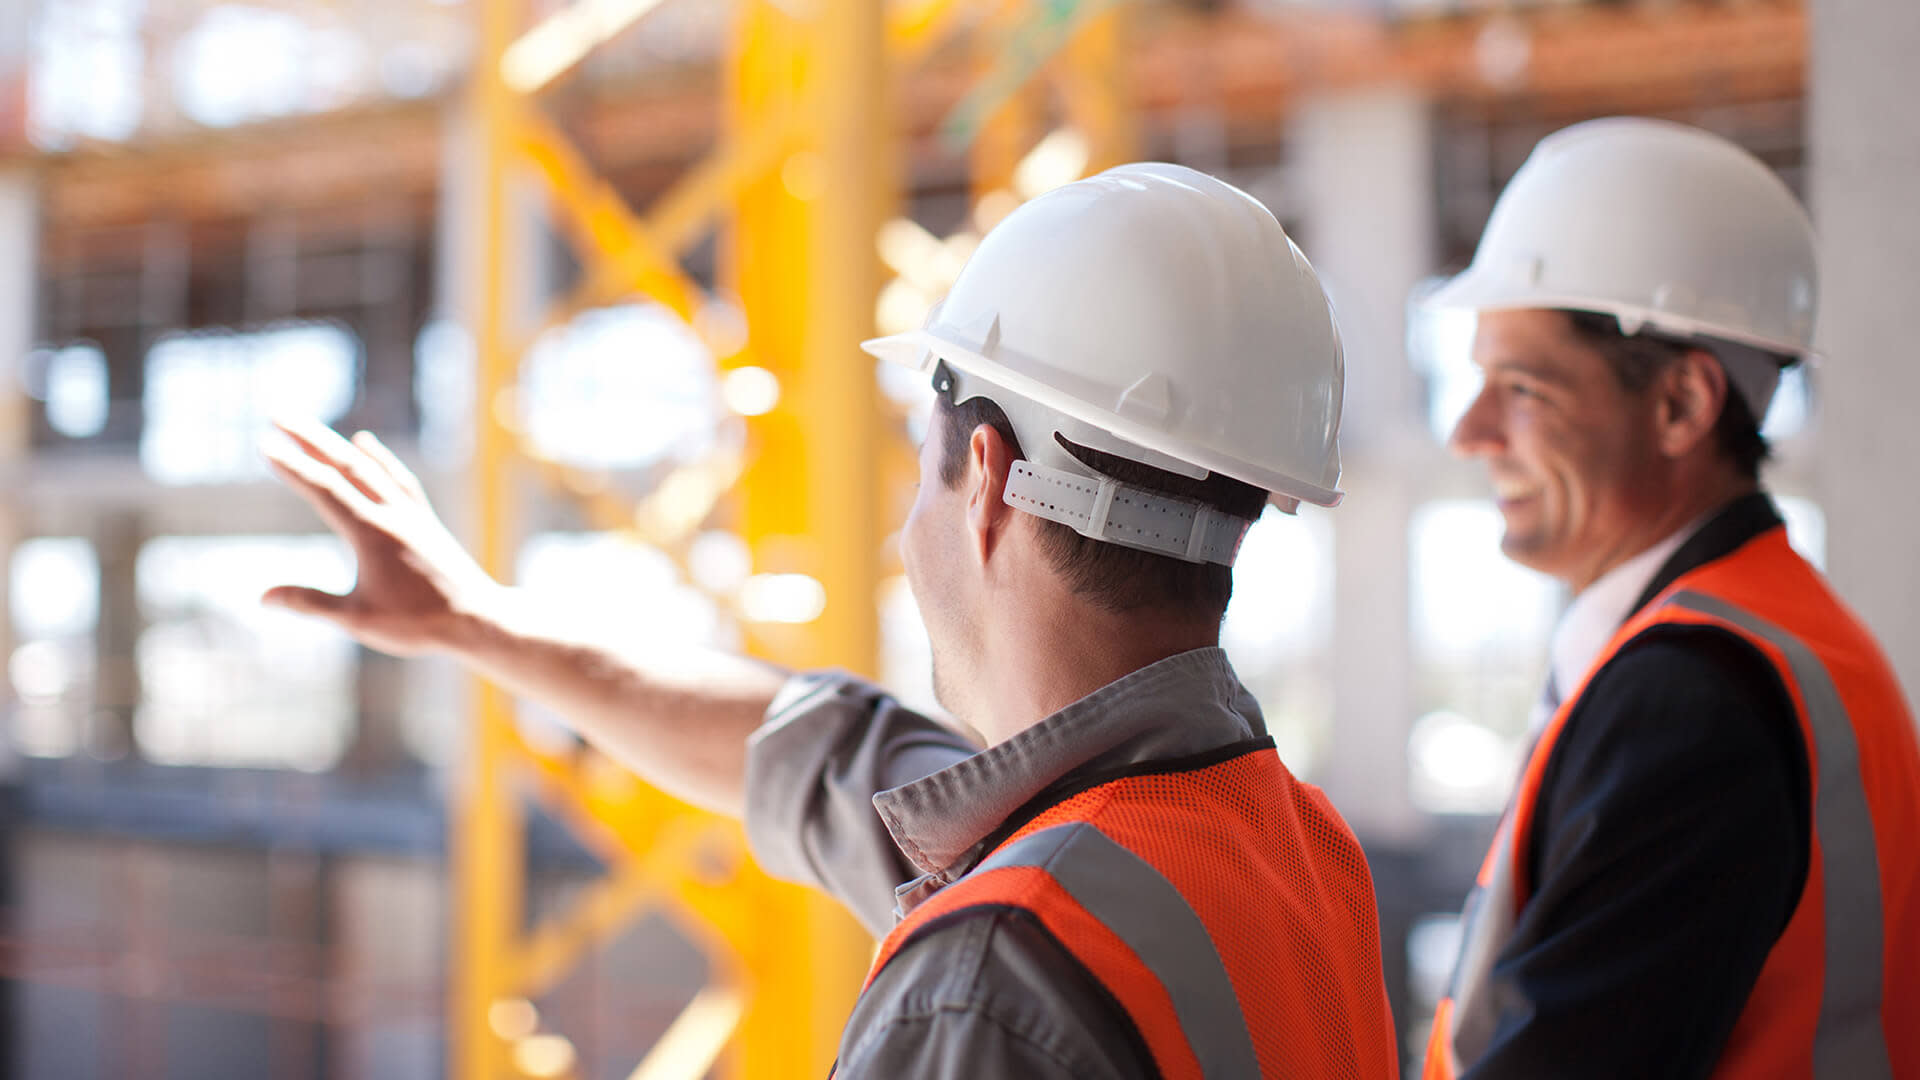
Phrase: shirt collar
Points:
(1601, 609)
(1185, 704)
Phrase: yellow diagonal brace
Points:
(624, 253)
(1045, 31)
(547, 51)
(597, 913)
(558, 783)
(687, 497)
(1093, 82)
(665, 519)
(686, 210)
(914, 29)
(640, 879)
(619, 806)
(693, 1043)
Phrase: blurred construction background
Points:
(597, 269)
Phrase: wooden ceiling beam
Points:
(1571, 62)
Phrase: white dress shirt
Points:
(1594, 617)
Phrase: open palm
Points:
(416, 585)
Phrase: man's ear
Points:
(989, 460)
(1689, 395)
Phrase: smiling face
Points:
(1571, 452)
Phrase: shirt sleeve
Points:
(1669, 851)
(830, 742)
(989, 996)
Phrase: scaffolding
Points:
(800, 183)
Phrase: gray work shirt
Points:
(853, 793)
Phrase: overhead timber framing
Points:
(1579, 60)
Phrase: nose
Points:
(1478, 431)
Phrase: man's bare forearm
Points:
(678, 718)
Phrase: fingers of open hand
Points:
(326, 446)
(345, 506)
(308, 601)
(402, 477)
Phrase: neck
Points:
(1049, 652)
(1678, 507)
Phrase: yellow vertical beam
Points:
(802, 260)
(488, 856)
(761, 255)
(1010, 130)
(848, 97)
(1096, 94)
(848, 89)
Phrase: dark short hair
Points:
(1110, 576)
(1636, 358)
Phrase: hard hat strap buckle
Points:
(1107, 510)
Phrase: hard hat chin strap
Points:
(1107, 510)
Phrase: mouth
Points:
(1512, 493)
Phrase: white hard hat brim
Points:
(1474, 291)
(921, 349)
(913, 349)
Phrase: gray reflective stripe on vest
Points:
(1143, 909)
(1850, 1041)
(1486, 923)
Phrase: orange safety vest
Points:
(1839, 994)
(1228, 910)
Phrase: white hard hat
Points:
(1155, 313)
(1664, 226)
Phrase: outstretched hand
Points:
(417, 587)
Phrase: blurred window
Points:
(227, 681)
(209, 396)
(1279, 628)
(911, 393)
(906, 656)
(603, 586)
(620, 387)
(54, 589)
(1440, 347)
(243, 63)
(609, 588)
(1481, 629)
(1806, 527)
(72, 385)
(1433, 945)
(443, 384)
(1792, 405)
(87, 73)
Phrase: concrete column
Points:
(1863, 175)
(536, 274)
(116, 674)
(1363, 166)
(1362, 163)
(19, 270)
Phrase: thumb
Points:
(306, 601)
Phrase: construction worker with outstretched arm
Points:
(1708, 867)
(1125, 881)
